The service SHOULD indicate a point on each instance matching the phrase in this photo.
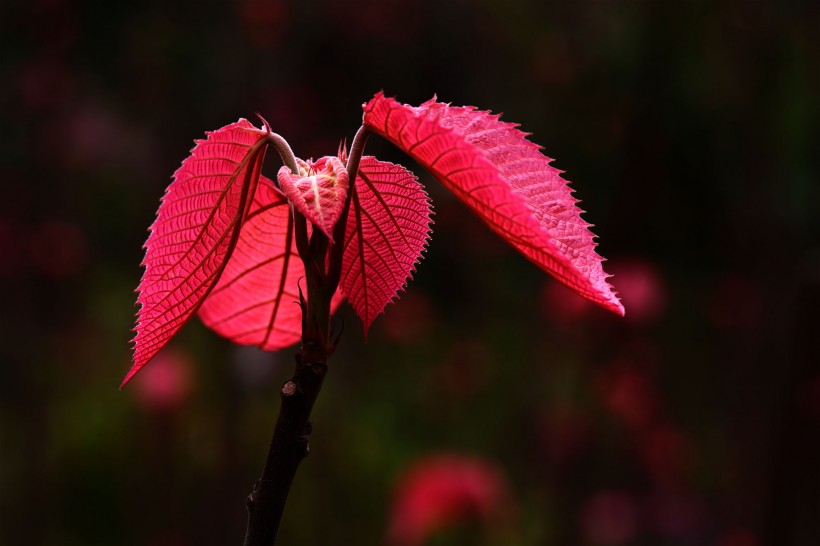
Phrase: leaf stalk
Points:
(334, 270)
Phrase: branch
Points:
(288, 447)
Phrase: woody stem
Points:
(291, 436)
(289, 446)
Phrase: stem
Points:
(288, 447)
(356, 151)
(292, 433)
(289, 444)
(334, 269)
(284, 149)
(300, 231)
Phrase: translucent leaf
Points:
(193, 234)
(504, 178)
(387, 229)
(256, 301)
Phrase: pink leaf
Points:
(503, 177)
(256, 301)
(318, 190)
(387, 229)
(195, 230)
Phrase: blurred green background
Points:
(688, 128)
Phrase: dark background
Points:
(688, 128)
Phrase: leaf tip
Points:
(615, 305)
(264, 123)
(131, 373)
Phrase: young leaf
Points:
(387, 229)
(318, 191)
(256, 301)
(195, 230)
(503, 178)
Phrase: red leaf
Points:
(492, 167)
(318, 191)
(256, 301)
(387, 229)
(193, 234)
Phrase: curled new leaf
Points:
(503, 178)
(387, 230)
(195, 230)
(318, 190)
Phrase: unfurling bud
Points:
(318, 190)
